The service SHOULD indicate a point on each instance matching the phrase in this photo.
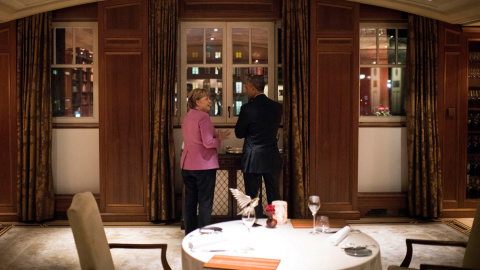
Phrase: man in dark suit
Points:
(258, 123)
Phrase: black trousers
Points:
(199, 190)
(253, 183)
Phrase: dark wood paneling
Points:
(123, 109)
(82, 13)
(8, 124)
(379, 14)
(221, 9)
(334, 107)
(396, 201)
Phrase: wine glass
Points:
(314, 205)
(248, 218)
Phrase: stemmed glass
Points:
(248, 218)
(314, 205)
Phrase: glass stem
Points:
(313, 223)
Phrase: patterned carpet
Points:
(53, 247)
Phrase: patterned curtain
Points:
(296, 85)
(35, 192)
(424, 157)
(163, 20)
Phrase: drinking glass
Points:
(314, 205)
(248, 218)
(323, 224)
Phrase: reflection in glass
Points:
(239, 78)
(382, 89)
(280, 85)
(402, 46)
(83, 45)
(259, 46)
(368, 46)
(386, 46)
(210, 79)
(240, 44)
(63, 45)
(213, 40)
(195, 46)
(72, 92)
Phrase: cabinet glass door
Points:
(473, 143)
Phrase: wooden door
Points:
(334, 106)
(8, 122)
(123, 51)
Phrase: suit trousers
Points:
(199, 190)
(253, 183)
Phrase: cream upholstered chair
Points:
(90, 239)
(471, 259)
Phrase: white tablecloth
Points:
(296, 248)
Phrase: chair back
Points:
(472, 258)
(87, 227)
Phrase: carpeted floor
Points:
(53, 247)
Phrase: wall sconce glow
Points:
(215, 29)
(362, 76)
(256, 61)
(374, 62)
(238, 54)
(212, 38)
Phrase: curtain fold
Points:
(296, 72)
(35, 190)
(163, 20)
(423, 148)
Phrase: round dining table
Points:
(296, 248)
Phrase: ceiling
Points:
(464, 12)
(15, 9)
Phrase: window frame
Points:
(376, 119)
(94, 25)
(226, 65)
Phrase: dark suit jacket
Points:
(258, 123)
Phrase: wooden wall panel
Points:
(124, 109)
(334, 106)
(450, 112)
(8, 124)
(230, 10)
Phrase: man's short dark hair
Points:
(257, 81)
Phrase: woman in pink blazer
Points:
(199, 160)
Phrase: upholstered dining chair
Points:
(471, 259)
(90, 239)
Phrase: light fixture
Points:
(215, 29)
(211, 38)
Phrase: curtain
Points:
(163, 20)
(423, 148)
(296, 85)
(35, 191)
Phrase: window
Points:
(218, 56)
(73, 78)
(383, 51)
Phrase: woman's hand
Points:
(223, 134)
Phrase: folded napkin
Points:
(206, 240)
(339, 236)
(236, 262)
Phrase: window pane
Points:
(368, 46)
(195, 46)
(239, 91)
(259, 46)
(83, 45)
(64, 45)
(280, 85)
(214, 40)
(386, 46)
(210, 79)
(382, 91)
(72, 92)
(240, 45)
(402, 46)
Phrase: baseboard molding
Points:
(382, 204)
(8, 217)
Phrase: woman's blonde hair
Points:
(194, 95)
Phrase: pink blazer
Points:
(200, 142)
